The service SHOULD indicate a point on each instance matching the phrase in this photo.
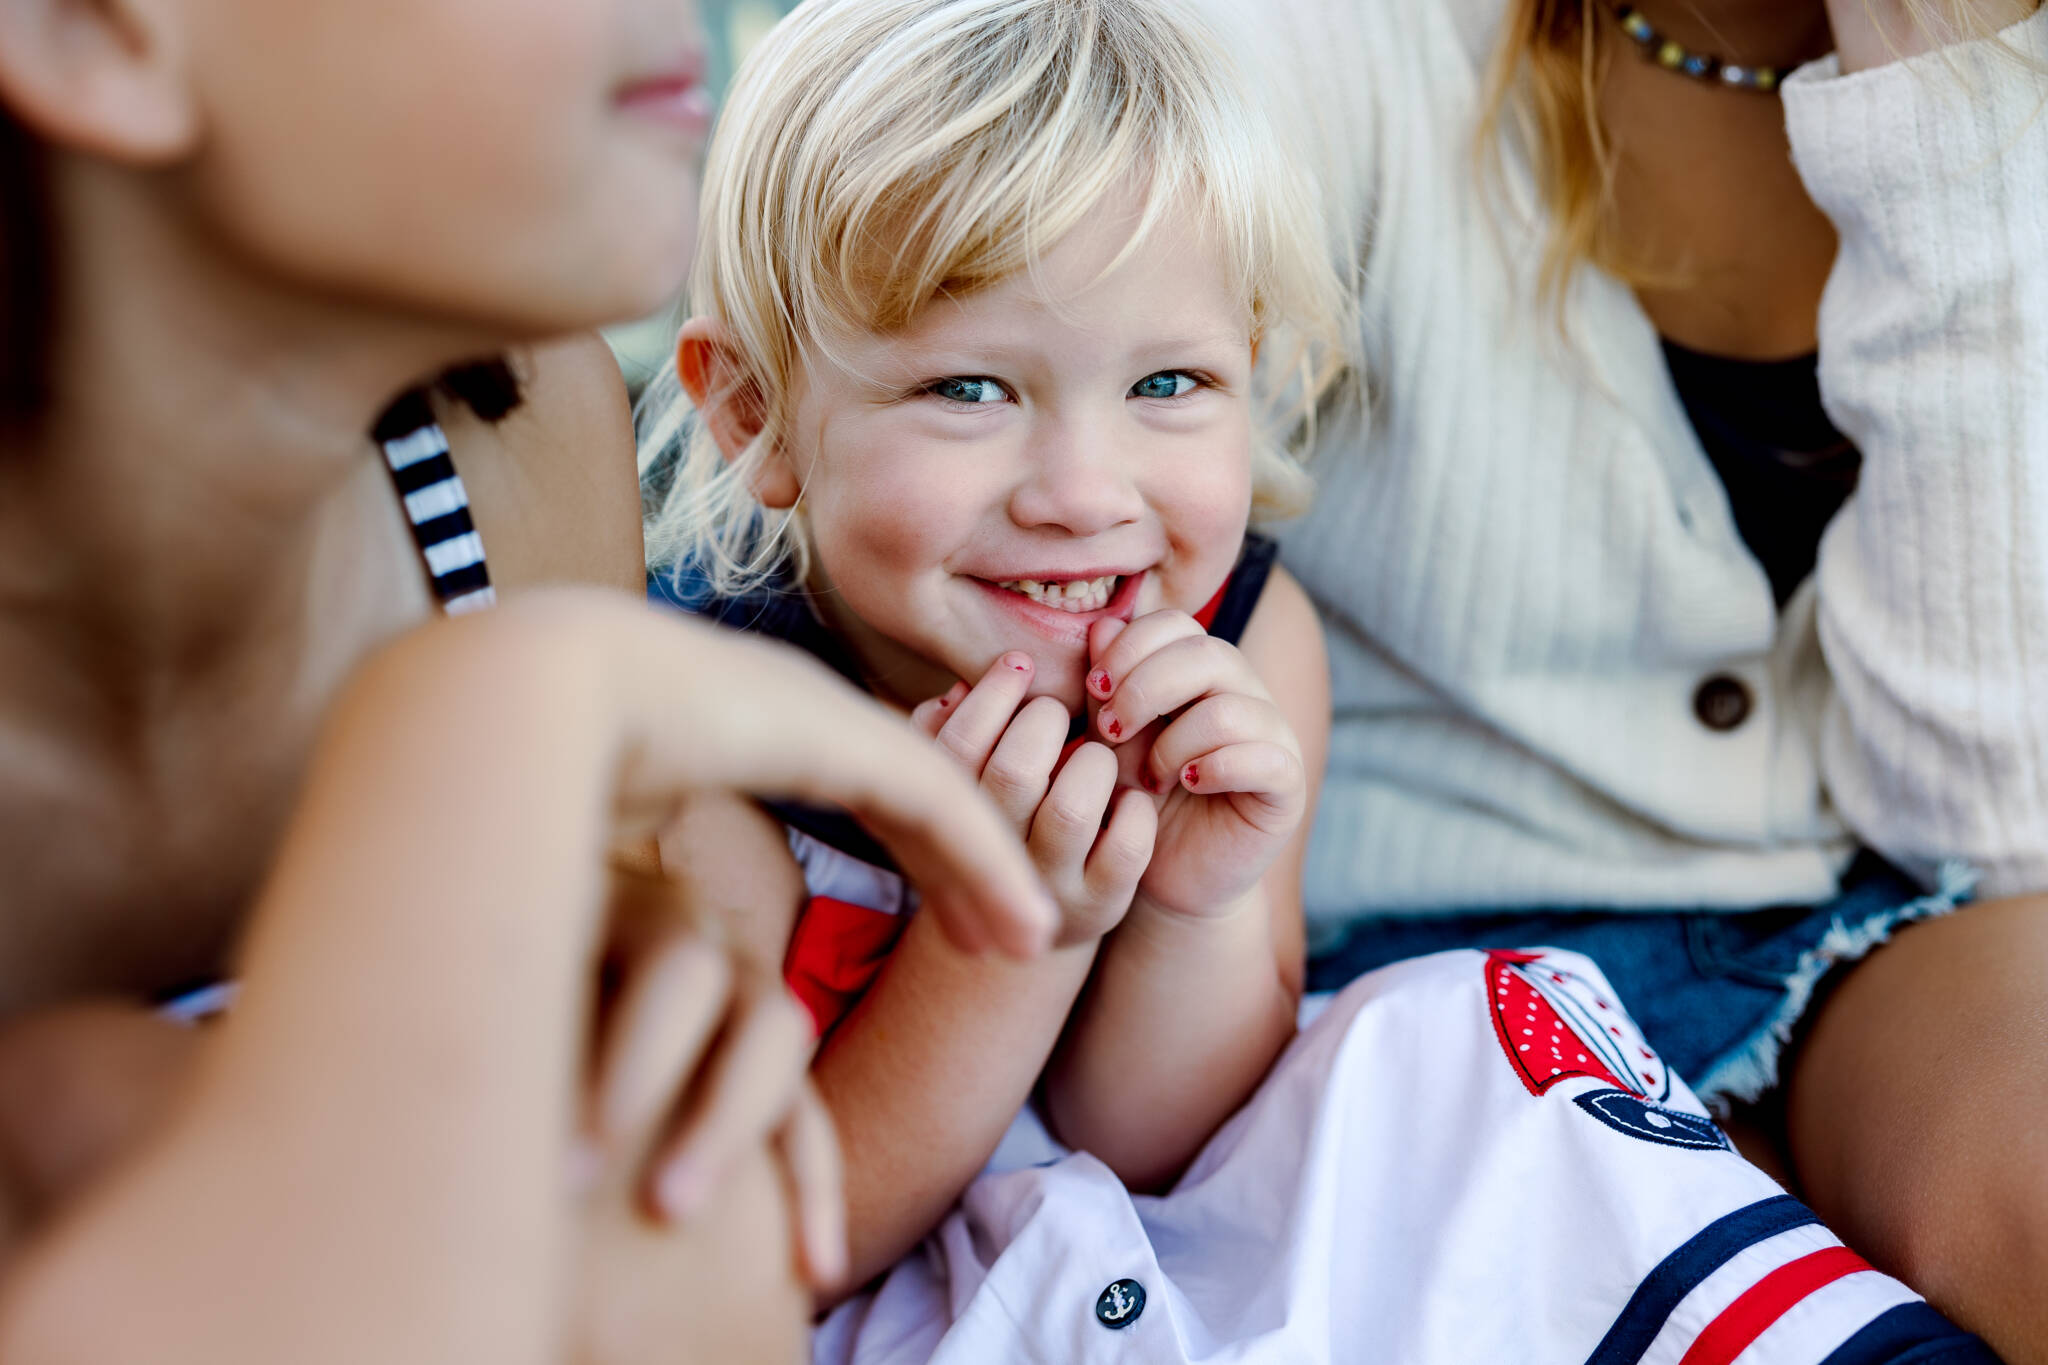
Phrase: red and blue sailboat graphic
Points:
(1555, 1026)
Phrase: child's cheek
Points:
(1211, 508)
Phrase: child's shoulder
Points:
(1283, 641)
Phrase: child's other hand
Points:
(1213, 743)
(702, 1059)
(1090, 842)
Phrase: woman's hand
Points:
(372, 1159)
(1208, 737)
(1090, 840)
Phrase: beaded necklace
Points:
(1673, 56)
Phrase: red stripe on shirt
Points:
(835, 954)
(1769, 1299)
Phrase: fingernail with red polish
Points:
(1111, 726)
(1020, 662)
(1098, 682)
(1191, 776)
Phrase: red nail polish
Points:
(1098, 682)
(1023, 666)
(1191, 776)
(1151, 782)
(1112, 727)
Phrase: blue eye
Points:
(1165, 384)
(968, 389)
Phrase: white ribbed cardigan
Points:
(1527, 565)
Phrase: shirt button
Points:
(1120, 1304)
(1723, 703)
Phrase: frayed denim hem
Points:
(1746, 1074)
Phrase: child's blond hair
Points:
(873, 153)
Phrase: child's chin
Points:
(1063, 681)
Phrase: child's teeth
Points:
(1075, 594)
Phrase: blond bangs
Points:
(877, 154)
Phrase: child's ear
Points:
(105, 77)
(732, 405)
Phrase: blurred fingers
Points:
(748, 1088)
(810, 1152)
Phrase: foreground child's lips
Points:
(675, 95)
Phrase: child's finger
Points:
(1020, 770)
(1101, 636)
(810, 1154)
(1179, 672)
(1066, 824)
(753, 1080)
(978, 721)
(1212, 723)
(1113, 653)
(1124, 849)
(1270, 775)
(668, 1009)
(933, 712)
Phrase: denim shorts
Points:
(1720, 994)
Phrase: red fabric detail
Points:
(835, 954)
(1206, 617)
(1542, 1047)
(1769, 1299)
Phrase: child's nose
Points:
(1077, 483)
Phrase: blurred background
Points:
(733, 27)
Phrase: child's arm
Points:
(926, 1074)
(1203, 977)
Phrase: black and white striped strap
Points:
(436, 504)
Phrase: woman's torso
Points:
(1533, 581)
(1561, 676)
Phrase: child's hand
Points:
(1225, 758)
(1091, 844)
(703, 1057)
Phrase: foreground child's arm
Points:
(928, 1071)
(1203, 977)
(371, 1163)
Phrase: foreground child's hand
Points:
(1090, 842)
(702, 1058)
(406, 1062)
(1223, 755)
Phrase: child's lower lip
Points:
(1066, 627)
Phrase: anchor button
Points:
(1120, 1304)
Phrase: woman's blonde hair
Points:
(1545, 78)
(874, 153)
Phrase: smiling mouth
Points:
(1071, 595)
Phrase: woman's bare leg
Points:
(1918, 1117)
